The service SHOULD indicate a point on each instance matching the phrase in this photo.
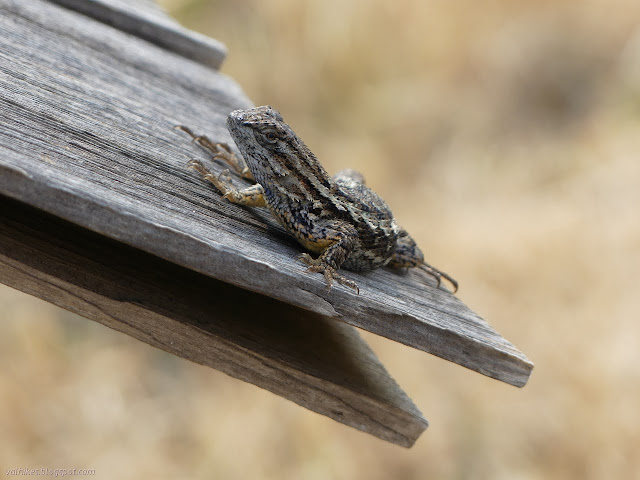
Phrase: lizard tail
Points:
(434, 272)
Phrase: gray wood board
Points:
(314, 361)
(87, 135)
(147, 20)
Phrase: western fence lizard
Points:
(340, 219)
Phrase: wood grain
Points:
(87, 135)
(146, 20)
(318, 363)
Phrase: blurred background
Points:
(505, 136)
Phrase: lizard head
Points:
(272, 150)
(260, 131)
(264, 139)
(255, 116)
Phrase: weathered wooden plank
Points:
(88, 136)
(318, 363)
(147, 20)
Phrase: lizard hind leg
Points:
(330, 273)
(334, 241)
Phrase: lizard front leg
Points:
(252, 196)
(220, 151)
(335, 241)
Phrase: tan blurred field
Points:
(505, 137)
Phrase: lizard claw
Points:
(330, 273)
(197, 166)
(182, 128)
(304, 258)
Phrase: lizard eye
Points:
(268, 138)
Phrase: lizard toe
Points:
(316, 265)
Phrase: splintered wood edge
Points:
(153, 25)
(317, 363)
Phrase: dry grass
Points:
(505, 137)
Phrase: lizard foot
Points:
(222, 181)
(330, 273)
(220, 151)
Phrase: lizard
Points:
(340, 219)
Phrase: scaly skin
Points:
(340, 219)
